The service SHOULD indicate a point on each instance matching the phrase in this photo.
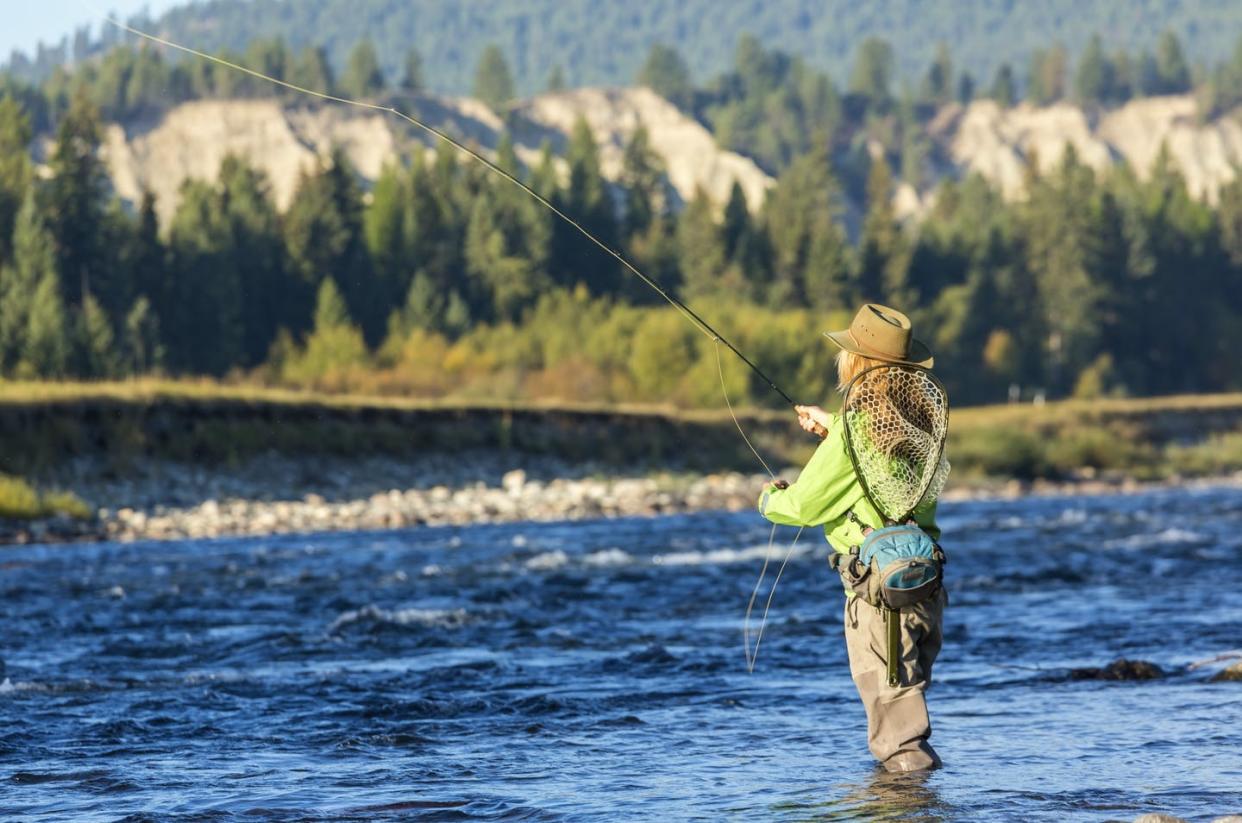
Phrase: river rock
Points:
(513, 481)
(1155, 817)
(1120, 669)
(1231, 674)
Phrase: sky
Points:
(26, 22)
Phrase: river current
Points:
(596, 671)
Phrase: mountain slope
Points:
(188, 141)
(603, 42)
(160, 152)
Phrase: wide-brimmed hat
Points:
(882, 333)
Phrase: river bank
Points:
(166, 500)
(168, 460)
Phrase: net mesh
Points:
(896, 419)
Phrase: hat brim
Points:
(920, 355)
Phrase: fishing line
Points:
(729, 405)
(698, 322)
(752, 656)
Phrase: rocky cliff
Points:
(160, 151)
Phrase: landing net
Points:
(895, 420)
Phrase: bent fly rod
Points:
(687, 312)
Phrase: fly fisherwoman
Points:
(872, 484)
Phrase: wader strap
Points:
(892, 624)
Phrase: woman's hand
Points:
(813, 419)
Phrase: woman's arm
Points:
(824, 490)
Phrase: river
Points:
(595, 671)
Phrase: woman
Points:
(828, 493)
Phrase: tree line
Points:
(600, 42)
(447, 280)
(769, 105)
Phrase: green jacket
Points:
(825, 491)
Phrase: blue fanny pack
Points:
(895, 567)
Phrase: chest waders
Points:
(895, 424)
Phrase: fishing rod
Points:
(687, 312)
(690, 314)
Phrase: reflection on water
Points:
(595, 671)
(881, 797)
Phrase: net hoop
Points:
(932, 468)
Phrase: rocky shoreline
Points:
(161, 500)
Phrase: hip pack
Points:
(895, 567)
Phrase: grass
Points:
(152, 390)
(212, 422)
(21, 501)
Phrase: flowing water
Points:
(595, 671)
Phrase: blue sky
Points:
(26, 22)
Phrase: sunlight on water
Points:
(596, 671)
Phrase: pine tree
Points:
(556, 79)
(324, 238)
(267, 290)
(15, 169)
(587, 200)
(143, 256)
(335, 346)
(362, 77)
(736, 227)
(809, 249)
(45, 351)
(873, 70)
(203, 328)
(965, 88)
(882, 259)
(642, 179)
(1062, 229)
(311, 70)
(493, 83)
(384, 225)
(267, 56)
(1172, 70)
(77, 197)
(507, 244)
(142, 347)
(34, 259)
(1230, 216)
(436, 219)
(937, 85)
(1004, 89)
(666, 73)
(1093, 82)
(700, 249)
(423, 309)
(1048, 72)
(96, 353)
(412, 76)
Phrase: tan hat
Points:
(882, 333)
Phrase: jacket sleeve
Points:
(824, 491)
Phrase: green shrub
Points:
(20, 501)
(1095, 447)
(999, 451)
(1218, 454)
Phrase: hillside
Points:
(159, 152)
(602, 42)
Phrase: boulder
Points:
(1120, 669)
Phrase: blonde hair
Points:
(850, 365)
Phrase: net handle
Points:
(849, 440)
